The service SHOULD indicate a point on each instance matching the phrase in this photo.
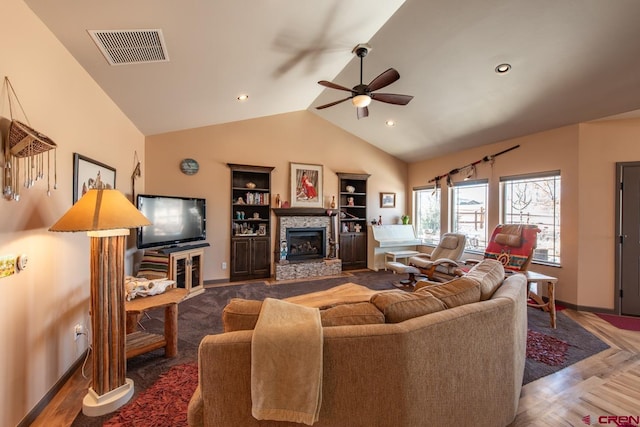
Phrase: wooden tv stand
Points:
(139, 342)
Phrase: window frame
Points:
(416, 217)
(479, 249)
(556, 175)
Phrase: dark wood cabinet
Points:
(352, 220)
(250, 222)
(250, 258)
(353, 250)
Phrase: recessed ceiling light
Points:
(243, 97)
(503, 68)
(390, 123)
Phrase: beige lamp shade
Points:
(101, 210)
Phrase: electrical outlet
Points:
(224, 265)
(77, 331)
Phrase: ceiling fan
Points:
(361, 95)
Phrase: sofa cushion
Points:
(361, 313)
(240, 314)
(459, 291)
(490, 274)
(399, 306)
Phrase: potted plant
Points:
(405, 219)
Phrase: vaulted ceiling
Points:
(571, 61)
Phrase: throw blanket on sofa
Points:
(286, 363)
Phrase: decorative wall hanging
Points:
(306, 185)
(137, 172)
(24, 153)
(387, 200)
(469, 170)
(88, 174)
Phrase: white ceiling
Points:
(573, 61)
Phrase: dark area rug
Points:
(164, 386)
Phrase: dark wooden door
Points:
(629, 239)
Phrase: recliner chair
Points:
(443, 260)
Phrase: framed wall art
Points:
(88, 174)
(306, 185)
(387, 200)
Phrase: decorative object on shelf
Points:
(89, 174)
(107, 215)
(278, 201)
(24, 152)
(405, 219)
(357, 228)
(306, 185)
(350, 188)
(387, 200)
(470, 169)
(286, 204)
(374, 221)
(380, 220)
(350, 201)
(240, 201)
(262, 230)
(333, 202)
(256, 215)
(189, 166)
(250, 185)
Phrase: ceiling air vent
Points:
(131, 46)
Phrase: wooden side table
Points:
(550, 305)
(139, 342)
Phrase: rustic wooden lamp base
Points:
(95, 406)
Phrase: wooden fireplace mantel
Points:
(303, 211)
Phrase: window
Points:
(535, 199)
(469, 212)
(426, 205)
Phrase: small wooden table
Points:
(139, 342)
(550, 305)
(394, 255)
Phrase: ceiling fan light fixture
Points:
(361, 101)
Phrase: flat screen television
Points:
(174, 220)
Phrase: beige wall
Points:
(602, 145)
(40, 306)
(586, 155)
(300, 137)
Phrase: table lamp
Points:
(106, 216)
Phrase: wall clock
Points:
(189, 166)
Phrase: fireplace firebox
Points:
(306, 243)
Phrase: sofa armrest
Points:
(195, 414)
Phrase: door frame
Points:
(620, 166)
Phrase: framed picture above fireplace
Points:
(306, 185)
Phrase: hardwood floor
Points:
(606, 384)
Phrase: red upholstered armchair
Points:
(512, 245)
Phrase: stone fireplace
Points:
(307, 234)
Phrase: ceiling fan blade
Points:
(333, 85)
(362, 112)
(331, 104)
(392, 98)
(384, 79)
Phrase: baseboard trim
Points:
(42, 404)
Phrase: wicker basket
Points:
(24, 141)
